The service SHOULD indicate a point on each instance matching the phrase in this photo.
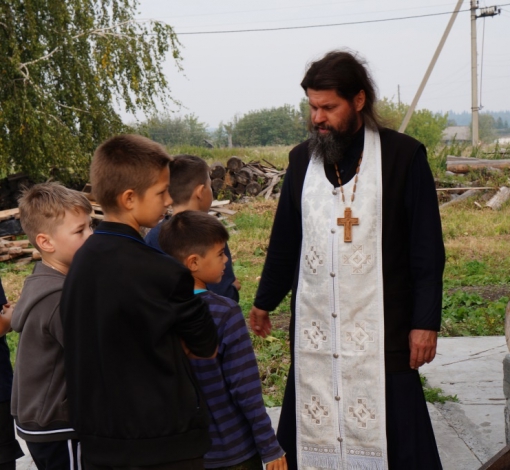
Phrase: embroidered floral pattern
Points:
(357, 259)
(315, 335)
(316, 411)
(361, 413)
(314, 260)
(360, 336)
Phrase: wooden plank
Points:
(499, 198)
(462, 197)
(224, 211)
(501, 461)
(9, 214)
(464, 189)
(217, 203)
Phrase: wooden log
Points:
(253, 189)
(499, 198)
(22, 243)
(234, 164)
(15, 250)
(217, 184)
(239, 189)
(244, 176)
(217, 170)
(465, 164)
(462, 197)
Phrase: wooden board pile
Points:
(250, 179)
(20, 250)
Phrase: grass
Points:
(476, 280)
(435, 395)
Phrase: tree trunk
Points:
(234, 164)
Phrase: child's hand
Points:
(278, 464)
(185, 348)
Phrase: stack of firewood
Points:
(21, 250)
(250, 179)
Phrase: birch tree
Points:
(67, 68)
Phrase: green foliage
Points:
(468, 314)
(435, 395)
(273, 357)
(172, 131)
(475, 273)
(424, 125)
(275, 126)
(66, 67)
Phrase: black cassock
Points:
(410, 438)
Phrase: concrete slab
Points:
(468, 433)
(472, 369)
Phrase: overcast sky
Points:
(234, 73)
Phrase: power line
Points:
(318, 25)
(323, 25)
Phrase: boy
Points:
(190, 189)
(56, 220)
(9, 447)
(125, 309)
(240, 427)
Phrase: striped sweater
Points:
(240, 426)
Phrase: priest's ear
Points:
(359, 101)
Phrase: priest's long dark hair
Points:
(347, 74)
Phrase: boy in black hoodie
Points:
(57, 222)
(126, 307)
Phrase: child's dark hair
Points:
(125, 162)
(186, 173)
(191, 232)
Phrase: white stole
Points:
(339, 336)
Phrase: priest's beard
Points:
(331, 147)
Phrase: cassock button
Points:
(335, 192)
(332, 274)
(334, 315)
(337, 398)
(339, 439)
(335, 356)
(333, 230)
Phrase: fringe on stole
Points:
(332, 462)
(365, 463)
(312, 459)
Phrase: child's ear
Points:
(44, 243)
(127, 199)
(192, 263)
(199, 191)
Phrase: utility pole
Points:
(484, 12)
(474, 77)
(410, 111)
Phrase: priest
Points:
(357, 239)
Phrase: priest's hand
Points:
(260, 322)
(423, 347)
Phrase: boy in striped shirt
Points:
(240, 429)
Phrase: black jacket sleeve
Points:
(426, 244)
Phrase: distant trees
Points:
(168, 130)
(276, 126)
(66, 66)
(424, 125)
(486, 128)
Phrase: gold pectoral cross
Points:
(347, 221)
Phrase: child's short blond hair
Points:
(42, 208)
(125, 162)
